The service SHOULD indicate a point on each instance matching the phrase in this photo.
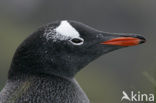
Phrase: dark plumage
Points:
(44, 65)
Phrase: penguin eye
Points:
(77, 41)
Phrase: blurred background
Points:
(129, 69)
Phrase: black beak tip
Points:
(142, 39)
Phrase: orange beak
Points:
(124, 41)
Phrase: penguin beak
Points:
(125, 41)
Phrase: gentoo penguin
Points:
(44, 65)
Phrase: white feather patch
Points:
(66, 29)
(63, 32)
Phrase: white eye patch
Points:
(65, 31)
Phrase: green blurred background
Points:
(129, 69)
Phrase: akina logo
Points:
(137, 96)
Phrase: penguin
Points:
(45, 64)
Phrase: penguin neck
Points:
(34, 77)
(30, 65)
(54, 88)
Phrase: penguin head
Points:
(64, 47)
